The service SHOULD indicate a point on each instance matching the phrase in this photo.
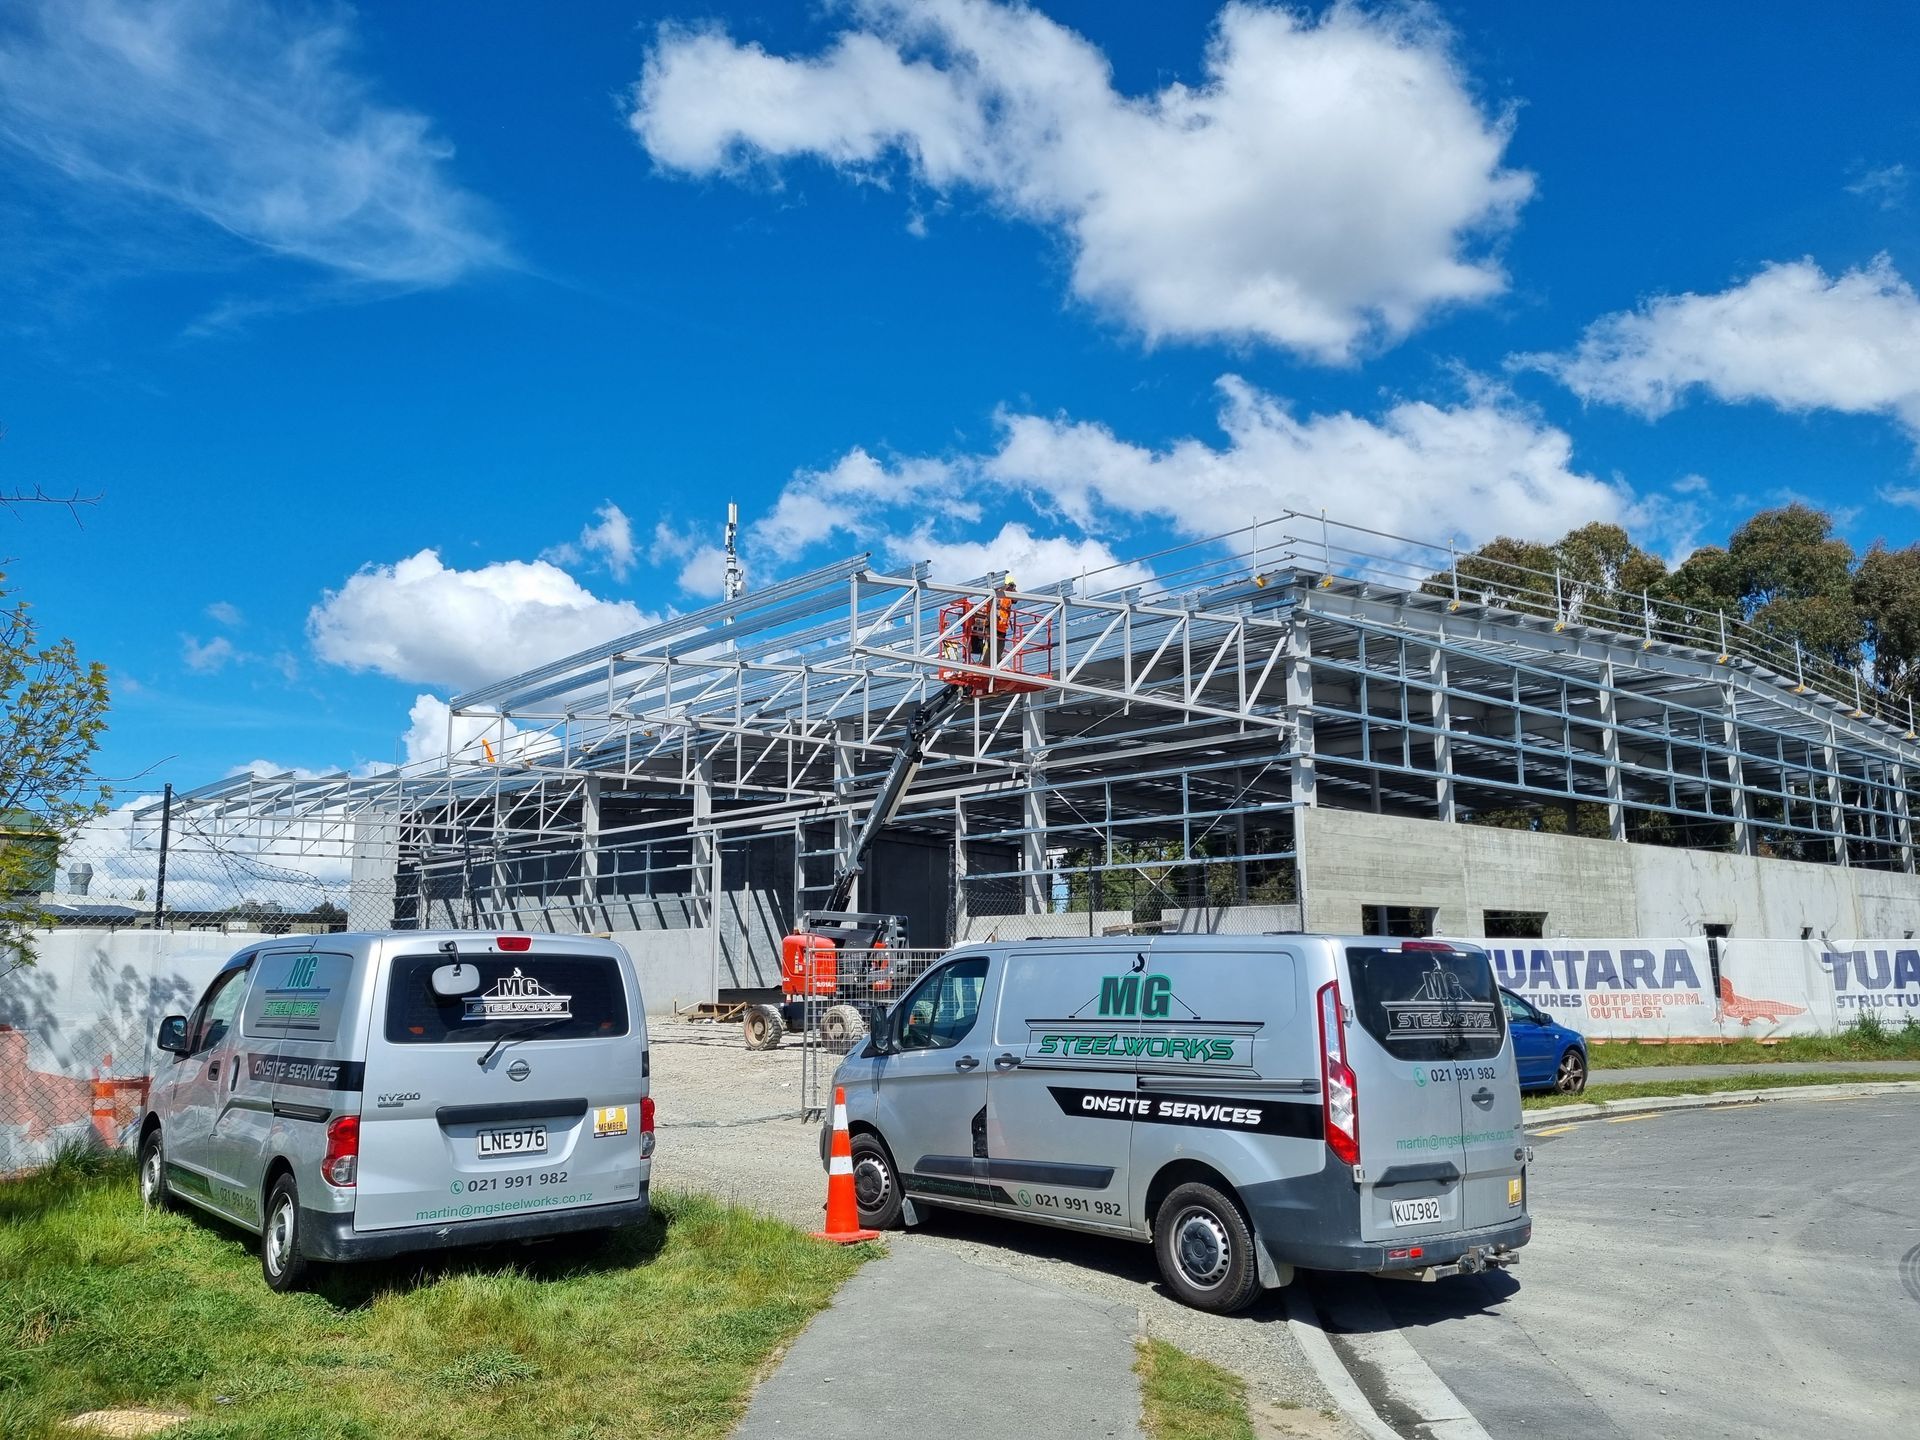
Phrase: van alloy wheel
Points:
(1571, 1077)
(1203, 1247)
(280, 1236)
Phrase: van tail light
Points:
(514, 942)
(1340, 1094)
(646, 1127)
(341, 1164)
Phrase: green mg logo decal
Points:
(301, 976)
(1150, 996)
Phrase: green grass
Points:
(1705, 1085)
(1866, 1042)
(660, 1330)
(1190, 1399)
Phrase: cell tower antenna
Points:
(736, 577)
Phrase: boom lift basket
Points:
(1021, 659)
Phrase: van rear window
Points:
(553, 997)
(1427, 1004)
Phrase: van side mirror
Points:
(880, 1030)
(459, 978)
(173, 1035)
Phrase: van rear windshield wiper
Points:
(520, 1033)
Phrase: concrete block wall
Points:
(1350, 860)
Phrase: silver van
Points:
(350, 1097)
(1247, 1104)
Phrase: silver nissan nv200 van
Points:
(1247, 1104)
(349, 1097)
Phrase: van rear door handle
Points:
(1006, 1062)
(966, 1062)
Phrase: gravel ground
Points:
(728, 1121)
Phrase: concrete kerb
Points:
(1652, 1104)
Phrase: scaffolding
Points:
(1159, 739)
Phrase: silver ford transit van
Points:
(350, 1097)
(1247, 1104)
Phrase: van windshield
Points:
(552, 997)
(1427, 1004)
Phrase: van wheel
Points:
(280, 1258)
(1571, 1077)
(1205, 1249)
(763, 1027)
(154, 1193)
(876, 1185)
(843, 1027)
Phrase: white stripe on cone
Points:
(840, 1165)
(839, 1117)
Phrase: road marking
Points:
(1556, 1130)
(1629, 1119)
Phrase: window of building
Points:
(1514, 924)
(1410, 921)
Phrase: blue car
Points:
(1550, 1056)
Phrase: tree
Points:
(1886, 593)
(1787, 573)
(1592, 575)
(53, 708)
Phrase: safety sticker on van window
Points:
(518, 997)
(609, 1120)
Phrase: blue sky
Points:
(408, 344)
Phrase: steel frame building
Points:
(1184, 721)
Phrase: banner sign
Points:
(1677, 989)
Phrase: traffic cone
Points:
(103, 1121)
(843, 1206)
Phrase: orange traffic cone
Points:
(843, 1207)
(103, 1122)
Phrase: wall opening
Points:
(1513, 924)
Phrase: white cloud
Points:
(207, 658)
(1904, 495)
(223, 612)
(247, 116)
(1484, 467)
(1424, 471)
(435, 734)
(1791, 337)
(1692, 485)
(1886, 186)
(1033, 560)
(1324, 187)
(418, 620)
(607, 538)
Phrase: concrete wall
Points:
(675, 967)
(1350, 860)
(1235, 920)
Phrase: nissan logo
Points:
(519, 1070)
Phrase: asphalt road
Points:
(1733, 1272)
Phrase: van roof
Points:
(467, 942)
(1208, 940)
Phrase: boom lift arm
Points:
(931, 714)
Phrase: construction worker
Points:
(994, 615)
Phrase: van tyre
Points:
(281, 1260)
(1570, 1078)
(876, 1184)
(154, 1193)
(1205, 1249)
(763, 1027)
(843, 1027)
